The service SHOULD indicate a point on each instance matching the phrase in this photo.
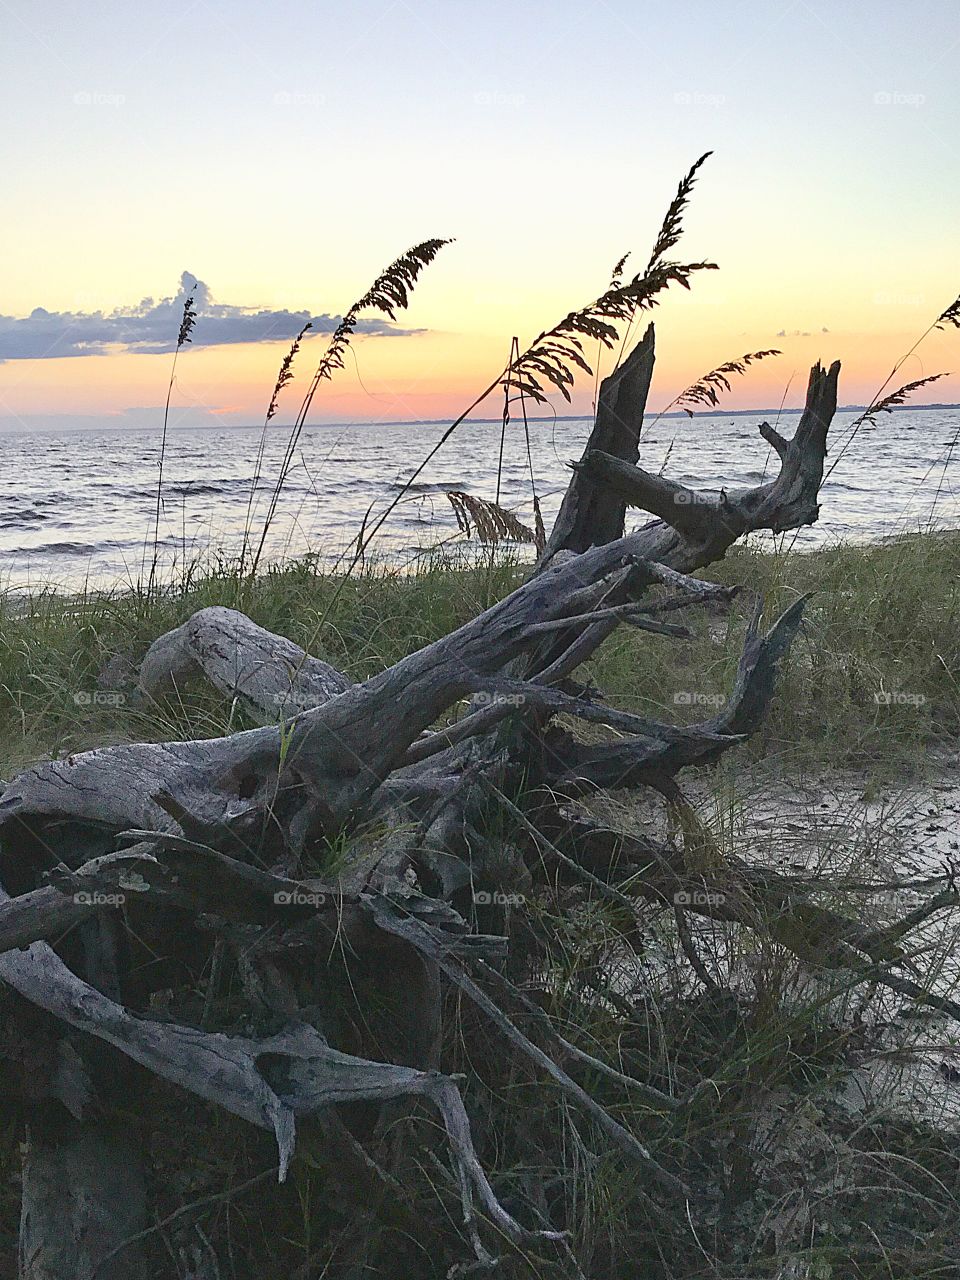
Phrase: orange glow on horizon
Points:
(434, 375)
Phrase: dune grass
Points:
(873, 679)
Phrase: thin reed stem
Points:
(950, 316)
(187, 322)
(284, 376)
(389, 293)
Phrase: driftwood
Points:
(223, 840)
(271, 675)
(588, 517)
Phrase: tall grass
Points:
(284, 377)
(388, 294)
(187, 321)
(883, 619)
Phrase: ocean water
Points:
(78, 506)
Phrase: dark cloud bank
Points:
(151, 327)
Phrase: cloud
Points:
(151, 327)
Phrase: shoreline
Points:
(462, 557)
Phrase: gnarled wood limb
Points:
(273, 676)
(691, 512)
(711, 523)
(573, 767)
(83, 1198)
(83, 1183)
(411, 930)
(337, 755)
(268, 1082)
(39, 914)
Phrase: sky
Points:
(282, 154)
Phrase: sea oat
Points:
(708, 389)
(187, 321)
(554, 357)
(893, 400)
(487, 521)
(950, 316)
(389, 293)
(286, 370)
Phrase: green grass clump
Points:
(883, 619)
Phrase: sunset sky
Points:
(282, 154)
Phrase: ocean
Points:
(78, 506)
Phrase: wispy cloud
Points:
(151, 327)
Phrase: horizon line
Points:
(110, 422)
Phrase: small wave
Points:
(199, 489)
(21, 519)
(424, 487)
(61, 549)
